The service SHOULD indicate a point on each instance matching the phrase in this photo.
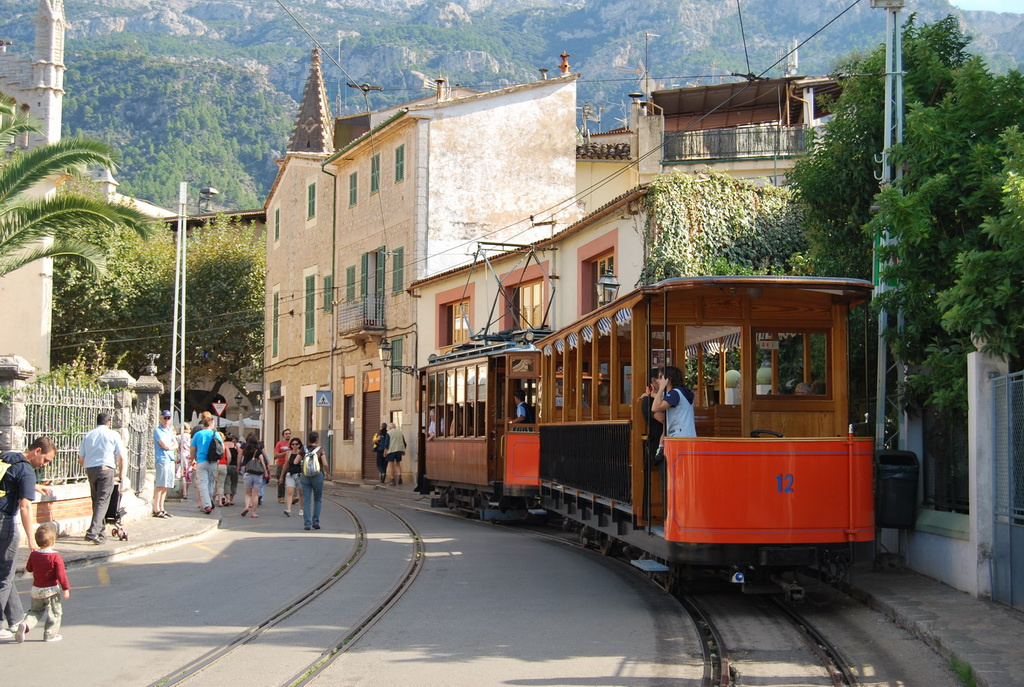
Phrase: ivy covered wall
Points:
(713, 223)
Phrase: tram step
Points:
(649, 565)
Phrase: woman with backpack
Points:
(256, 470)
(312, 481)
(380, 447)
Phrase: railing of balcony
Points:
(364, 313)
(744, 142)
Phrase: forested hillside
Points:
(205, 90)
(199, 121)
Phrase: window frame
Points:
(311, 201)
(310, 311)
(353, 189)
(375, 173)
(400, 164)
(328, 293)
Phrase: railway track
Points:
(221, 657)
(719, 669)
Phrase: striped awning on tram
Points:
(604, 326)
(587, 333)
(572, 340)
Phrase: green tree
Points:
(33, 228)
(129, 312)
(987, 300)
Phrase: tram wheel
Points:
(607, 545)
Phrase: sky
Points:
(991, 5)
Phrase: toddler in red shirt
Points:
(48, 579)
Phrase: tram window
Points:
(624, 333)
(712, 351)
(449, 407)
(481, 400)
(791, 363)
(432, 389)
(523, 365)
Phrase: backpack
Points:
(4, 467)
(215, 451)
(311, 463)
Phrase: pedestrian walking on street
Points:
(49, 584)
(105, 459)
(380, 447)
(233, 450)
(396, 449)
(280, 451)
(17, 492)
(186, 468)
(256, 471)
(312, 481)
(165, 446)
(206, 463)
(222, 474)
(292, 470)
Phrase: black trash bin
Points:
(895, 488)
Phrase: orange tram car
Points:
(774, 479)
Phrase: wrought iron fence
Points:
(946, 462)
(755, 141)
(1008, 470)
(361, 314)
(64, 414)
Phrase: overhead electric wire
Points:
(550, 209)
(743, 33)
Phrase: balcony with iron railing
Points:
(736, 143)
(361, 316)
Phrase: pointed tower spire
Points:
(313, 132)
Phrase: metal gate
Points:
(1008, 500)
(371, 423)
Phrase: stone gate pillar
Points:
(15, 373)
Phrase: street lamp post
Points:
(384, 351)
(607, 288)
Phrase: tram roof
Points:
(842, 289)
(481, 351)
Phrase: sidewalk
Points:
(144, 535)
(984, 635)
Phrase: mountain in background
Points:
(206, 91)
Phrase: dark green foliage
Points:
(717, 224)
(210, 124)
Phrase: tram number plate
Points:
(784, 484)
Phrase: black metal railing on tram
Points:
(591, 457)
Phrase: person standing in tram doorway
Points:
(524, 411)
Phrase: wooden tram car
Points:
(774, 479)
(474, 461)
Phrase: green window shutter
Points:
(311, 201)
(311, 310)
(400, 163)
(329, 293)
(274, 324)
(350, 283)
(397, 270)
(374, 174)
(353, 188)
(396, 361)
(277, 224)
(381, 269)
(364, 276)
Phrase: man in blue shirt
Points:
(17, 491)
(206, 472)
(102, 454)
(166, 445)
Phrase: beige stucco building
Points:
(351, 223)
(37, 86)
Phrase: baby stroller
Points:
(114, 514)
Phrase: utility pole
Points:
(178, 327)
(887, 397)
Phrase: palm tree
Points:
(35, 228)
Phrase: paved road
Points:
(491, 606)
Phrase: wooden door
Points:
(371, 423)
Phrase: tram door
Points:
(499, 402)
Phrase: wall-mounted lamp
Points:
(607, 288)
(384, 351)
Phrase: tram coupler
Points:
(791, 590)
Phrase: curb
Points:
(125, 550)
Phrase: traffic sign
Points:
(219, 408)
(324, 399)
